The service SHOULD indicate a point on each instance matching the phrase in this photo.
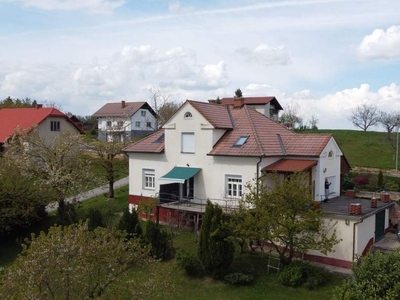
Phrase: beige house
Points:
(49, 121)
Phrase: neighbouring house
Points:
(122, 121)
(49, 121)
(210, 151)
(268, 106)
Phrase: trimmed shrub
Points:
(362, 180)
(130, 223)
(300, 273)
(95, 219)
(159, 241)
(190, 263)
(239, 278)
(292, 275)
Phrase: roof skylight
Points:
(160, 139)
(241, 141)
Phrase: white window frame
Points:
(149, 179)
(137, 124)
(188, 115)
(143, 113)
(329, 154)
(188, 142)
(233, 186)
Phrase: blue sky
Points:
(321, 57)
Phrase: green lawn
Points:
(164, 280)
(364, 149)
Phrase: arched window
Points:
(188, 115)
(330, 154)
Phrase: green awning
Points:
(180, 174)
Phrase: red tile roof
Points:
(290, 165)
(154, 143)
(306, 144)
(253, 101)
(265, 136)
(122, 108)
(25, 118)
(217, 115)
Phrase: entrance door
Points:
(379, 225)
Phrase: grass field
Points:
(364, 149)
(164, 280)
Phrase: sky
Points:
(322, 57)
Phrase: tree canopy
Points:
(375, 276)
(70, 263)
(284, 217)
(21, 201)
(58, 166)
(16, 103)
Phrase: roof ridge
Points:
(246, 109)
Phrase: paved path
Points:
(89, 194)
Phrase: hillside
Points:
(364, 149)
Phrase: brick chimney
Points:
(123, 104)
(37, 106)
(238, 102)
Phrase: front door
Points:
(379, 225)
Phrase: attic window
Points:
(241, 141)
(160, 139)
(330, 154)
(188, 115)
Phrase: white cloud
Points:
(333, 110)
(92, 6)
(381, 44)
(266, 55)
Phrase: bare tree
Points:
(365, 116)
(390, 121)
(291, 116)
(162, 105)
(313, 122)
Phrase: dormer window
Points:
(188, 115)
(241, 141)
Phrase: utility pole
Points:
(397, 149)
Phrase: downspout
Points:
(258, 172)
(354, 237)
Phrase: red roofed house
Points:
(121, 121)
(49, 121)
(210, 151)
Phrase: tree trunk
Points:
(111, 189)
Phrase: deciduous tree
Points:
(365, 116)
(70, 263)
(390, 121)
(110, 157)
(284, 217)
(22, 203)
(291, 116)
(375, 276)
(163, 106)
(58, 166)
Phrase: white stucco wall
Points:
(45, 132)
(143, 121)
(328, 167)
(102, 123)
(344, 249)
